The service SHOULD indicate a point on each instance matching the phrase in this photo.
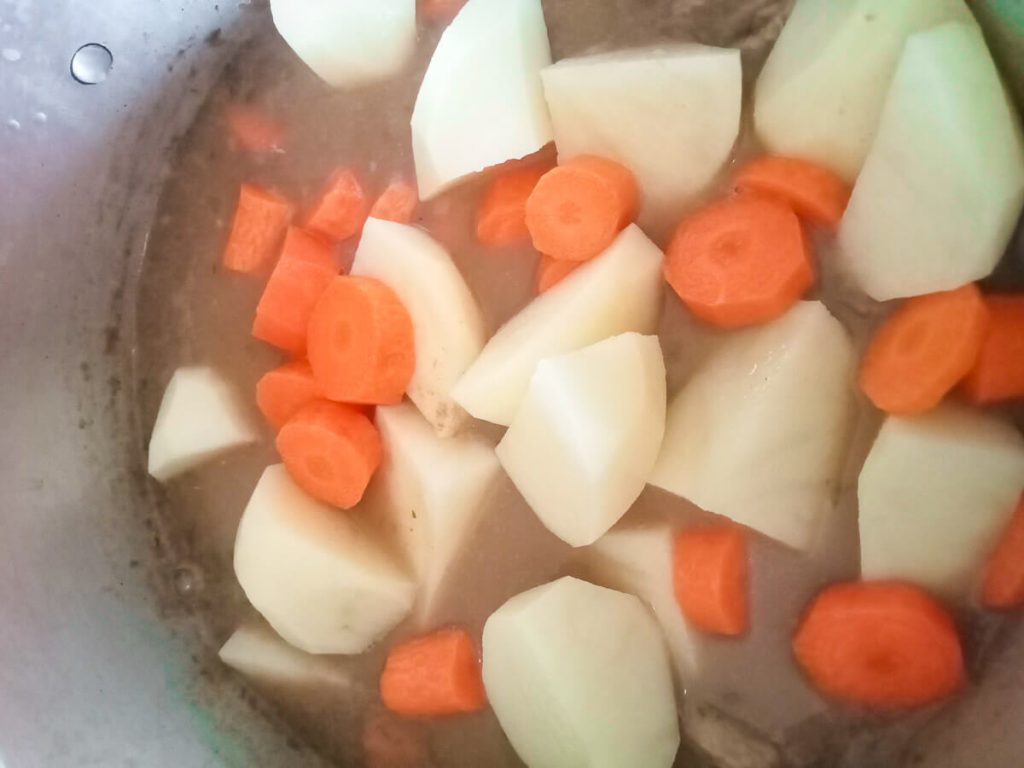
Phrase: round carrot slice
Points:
(550, 272)
(922, 351)
(360, 342)
(814, 192)
(709, 574)
(577, 209)
(331, 451)
(282, 392)
(880, 644)
(740, 261)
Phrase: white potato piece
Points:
(349, 43)
(760, 432)
(316, 574)
(617, 292)
(671, 115)
(199, 419)
(446, 319)
(578, 676)
(435, 490)
(935, 493)
(481, 101)
(586, 436)
(258, 653)
(821, 91)
(939, 196)
(637, 558)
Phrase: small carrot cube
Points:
(343, 208)
(253, 130)
(282, 392)
(432, 676)
(397, 203)
(261, 220)
(501, 217)
(814, 192)
(710, 578)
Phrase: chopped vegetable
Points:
(253, 130)
(880, 644)
(343, 208)
(439, 10)
(448, 326)
(940, 193)
(282, 392)
(587, 434)
(813, 191)
(619, 291)
(740, 261)
(578, 675)
(258, 653)
(325, 585)
(397, 203)
(433, 676)
(922, 351)
(434, 490)
(934, 494)
(669, 113)
(302, 274)
(822, 88)
(361, 342)
(481, 101)
(501, 217)
(709, 574)
(998, 371)
(347, 43)
(577, 209)
(331, 451)
(760, 432)
(550, 272)
(261, 220)
(199, 419)
(1004, 575)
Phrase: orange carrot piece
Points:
(814, 192)
(397, 203)
(550, 272)
(880, 644)
(343, 208)
(501, 217)
(1003, 586)
(253, 130)
(440, 10)
(331, 451)
(361, 342)
(577, 209)
(709, 576)
(303, 272)
(740, 261)
(998, 372)
(282, 392)
(435, 675)
(261, 220)
(924, 349)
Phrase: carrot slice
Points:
(501, 217)
(998, 372)
(814, 192)
(435, 675)
(709, 575)
(303, 272)
(361, 342)
(261, 220)
(740, 261)
(880, 644)
(397, 203)
(331, 451)
(550, 272)
(1003, 587)
(577, 209)
(253, 130)
(343, 208)
(922, 351)
(282, 392)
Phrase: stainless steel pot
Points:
(101, 662)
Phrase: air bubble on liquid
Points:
(188, 581)
(13, 124)
(91, 64)
(11, 54)
(39, 117)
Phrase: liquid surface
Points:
(191, 312)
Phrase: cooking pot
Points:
(105, 658)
